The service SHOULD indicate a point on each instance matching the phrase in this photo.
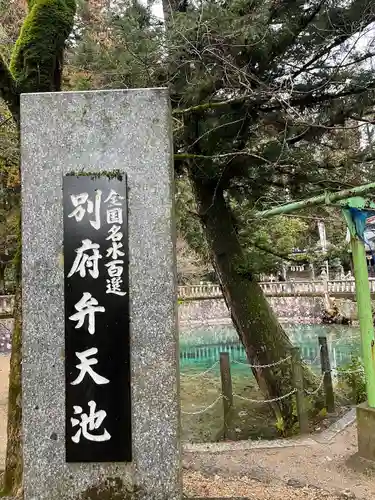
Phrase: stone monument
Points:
(102, 422)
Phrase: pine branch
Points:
(307, 99)
(191, 156)
(281, 46)
(361, 119)
(352, 16)
(207, 106)
(362, 58)
(279, 255)
(311, 99)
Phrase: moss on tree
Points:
(37, 56)
(35, 66)
(9, 91)
(36, 62)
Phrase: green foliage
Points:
(285, 137)
(117, 50)
(36, 64)
(352, 377)
(267, 242)
(213, 53)
(189, 225)
(280, 426)
(9, 194)
(294, 427)
(323, 413)
(36, 61)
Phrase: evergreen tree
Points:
(264, 95)
(268, 98)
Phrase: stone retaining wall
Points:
(288, 309)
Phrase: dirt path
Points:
(197, 485)
(331, 467)
(311, 472)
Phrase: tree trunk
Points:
(13, 465)
(2, 278)
(40, 71)
(261, 334)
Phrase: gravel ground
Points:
(329, 471)
(314, 471)
(198, 485)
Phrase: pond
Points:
(200, 347)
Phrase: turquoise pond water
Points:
(200, 347)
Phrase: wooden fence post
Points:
(226, 389)
(327, 379)
(297, 371)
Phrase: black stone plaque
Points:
(97, 346)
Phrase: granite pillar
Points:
(100, 131)
(365, 430)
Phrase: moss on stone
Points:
(110, 489)
(36, 62)
(113, 174)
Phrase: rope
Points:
(203, 410)
(260, 401)
(311, 393)
(358, 370)
(197, 375)
(266, 400)
(264, 366)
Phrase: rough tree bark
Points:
(262, 336)
(2, 277)
(12, 481)
(35, 66)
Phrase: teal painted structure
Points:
(200, 347)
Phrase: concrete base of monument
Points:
(366, 431)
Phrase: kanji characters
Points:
(114, 233)
(114, 199)
(88, 423)
(80, 200)
(115, 268)
(83, 260)
(85, 367)
(114, 215)
(86, 306)
(92, 257)
(114, 251)
(114, 286)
